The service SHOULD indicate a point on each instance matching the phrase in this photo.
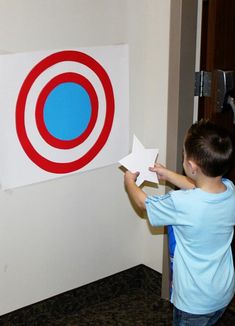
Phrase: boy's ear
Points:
(193, 166)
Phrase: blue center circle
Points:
(67, 111)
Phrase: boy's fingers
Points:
(153, 168)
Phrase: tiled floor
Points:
(129, 298)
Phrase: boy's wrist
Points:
(129, 181)
(170, 175)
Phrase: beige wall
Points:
(61, 234)
(181, 77)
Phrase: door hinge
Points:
(202, 85)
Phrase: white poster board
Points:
(62, 112)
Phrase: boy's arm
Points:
(180, 181)
(136, 194)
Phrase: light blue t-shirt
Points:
(203, 277)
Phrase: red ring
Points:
(42, 162)
(40, 105)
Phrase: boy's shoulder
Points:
(197, 193)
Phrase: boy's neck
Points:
(210, 184)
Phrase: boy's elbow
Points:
(141, 203)
(142, 207)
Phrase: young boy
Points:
(202, 216)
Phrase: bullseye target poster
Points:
(62, 112)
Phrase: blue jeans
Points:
(181, 318)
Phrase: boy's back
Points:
(202, 219)
(203, 227)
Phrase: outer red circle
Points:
(40, 105)
(38, 159)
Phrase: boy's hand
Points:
(181, 181)
(162, 171)
(130, 177)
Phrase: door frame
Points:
(184, 58)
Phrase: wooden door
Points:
(218, 52)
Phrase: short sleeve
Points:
(161, 210)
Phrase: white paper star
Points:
(140, 160)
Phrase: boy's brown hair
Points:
(210, 147)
